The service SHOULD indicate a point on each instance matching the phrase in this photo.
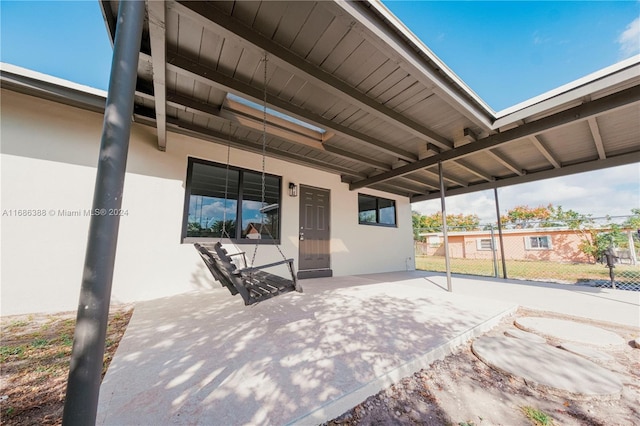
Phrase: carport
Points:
(349, 90)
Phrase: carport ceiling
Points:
(374, 104)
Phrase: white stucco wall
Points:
(49, 154)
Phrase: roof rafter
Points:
(156, 18)
(225, 115)
(220, 137)
(413, 60)
(569, 116)
(421, 181)
(618, 160)
(475, 171)
(286, 59)
(446, 177)
(500, 158)
(186, 66)
(597, 137)
(545, 151)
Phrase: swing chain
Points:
(264, 155)
(226, 188)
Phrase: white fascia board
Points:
(603, 79)
(486, 115)
(48, 79)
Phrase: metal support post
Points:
(493, 253)
(447, 261)
(87, 355)
(504, 263)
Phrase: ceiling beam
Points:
(535, 140)
(420, 188)
(394, 189)
(222, 138)
(446, 177)
(614, 161)
(146, 116)
(220, 22)
(569, 116)
(474, 171)
(186, 66)
(250, 121)
(156, 19)
(358, 158)
(408, 187)
(597, 137)
(430, 186)
(192, 105)
(245, 119)
(500, 158)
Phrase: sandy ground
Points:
(461, 390)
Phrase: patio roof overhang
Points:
(380, 108)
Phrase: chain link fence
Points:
(562, 253)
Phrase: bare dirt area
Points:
(462, 390)
(459, 390)
(35, 352)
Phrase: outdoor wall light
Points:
(293, 189)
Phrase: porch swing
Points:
(253, 283)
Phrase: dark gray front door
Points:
(315, 260)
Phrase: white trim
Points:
(393, 20)
(45, 78)
(618, 73)
(479, 246)
(527, 242)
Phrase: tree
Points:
(633, 221)
(433, 222)
(415, 219)
(569, 218)
(229, 228)
(521, 217)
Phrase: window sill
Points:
(245, 241)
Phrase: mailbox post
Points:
(610, 257)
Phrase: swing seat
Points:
(254, 284)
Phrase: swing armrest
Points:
(268, 265)
(240, 253)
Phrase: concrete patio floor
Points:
(204, 358)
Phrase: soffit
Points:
(389, 109)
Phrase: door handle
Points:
(302, 236)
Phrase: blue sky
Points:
(506, 52)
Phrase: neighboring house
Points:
(544, 244)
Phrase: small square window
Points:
(376, 211)
(484, 244)
(538, 242)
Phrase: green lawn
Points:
(530, 270)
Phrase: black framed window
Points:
(221, 202)
(376, 211)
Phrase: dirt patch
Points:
(35, 352)
(462, 390)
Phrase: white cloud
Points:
(629, 40)
(607, 192)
